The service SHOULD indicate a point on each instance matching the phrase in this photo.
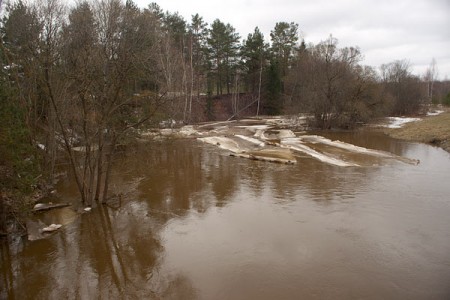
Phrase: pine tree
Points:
(223, 42)
(254, 54)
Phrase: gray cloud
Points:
(385, 30)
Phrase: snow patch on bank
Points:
(398, 122)
(434, 113)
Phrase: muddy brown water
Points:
(195, 223)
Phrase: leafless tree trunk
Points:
(191, 92)
(259, 88)
(430, 76)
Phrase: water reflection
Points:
(197, 224)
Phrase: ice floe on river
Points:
(271, 143)
(296, 144)
(272, 140)
(223, 143)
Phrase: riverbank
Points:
(434, 130)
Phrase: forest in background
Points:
(88, 75)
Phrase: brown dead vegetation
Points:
(434, 130)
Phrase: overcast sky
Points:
(385, 30)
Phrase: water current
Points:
(196, 223)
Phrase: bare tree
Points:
(430, 77)
(83, 78)
(329, 82)
(403, 86)
(333, 69)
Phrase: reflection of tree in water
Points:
(169, 173)
(254, 175)
(93, 258)
(315, 180)
(179, 175)
(224, 178)
(174, 287)
(113, 253)
(6, 274)
(311, 179)
(16, 269)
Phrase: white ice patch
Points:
(216, 123)
(222, 142)
(285, 133)
(260, 134)
(188, 130)
(220, 129)
(345, 146)
(251, 140)
(434, 113)
(356, 149)
(274, 134)
(255, 128)
(296, 144)
(264, 135)
(398, 122)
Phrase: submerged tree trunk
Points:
(2, 216)
(109, 160)
(99, 165)
(67, 143)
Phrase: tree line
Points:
(81, 77)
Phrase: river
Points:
(196, 223)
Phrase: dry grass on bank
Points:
(433, 130)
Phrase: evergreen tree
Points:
(254, 53)
(223, 42)
(284, 41)
(273, 86)
(176, 27)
